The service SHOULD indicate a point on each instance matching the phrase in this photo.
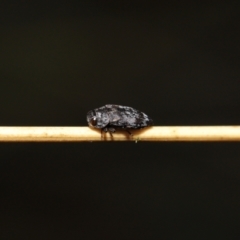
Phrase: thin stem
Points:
(86, 134)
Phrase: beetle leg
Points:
(103, 130)
(111, 131)
(129, 132)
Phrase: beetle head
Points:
(97, 119)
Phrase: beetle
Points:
(110, 117)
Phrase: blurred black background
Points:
(178, 62)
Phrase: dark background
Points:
(178, 62)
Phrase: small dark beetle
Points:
(110, 117)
